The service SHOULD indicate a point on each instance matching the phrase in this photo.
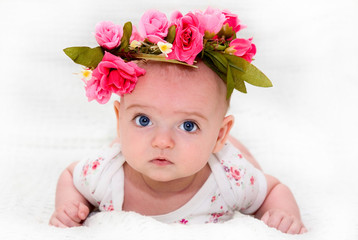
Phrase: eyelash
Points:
(141, 115)
(195, 126)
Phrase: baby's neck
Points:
(142, 197)
(177, 186)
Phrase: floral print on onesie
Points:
(234, 185)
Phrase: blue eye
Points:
(189, 126)
(142, 121)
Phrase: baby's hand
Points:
(69, 215)
(284, 222)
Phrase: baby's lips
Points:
(161, 161)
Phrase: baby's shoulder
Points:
(100, 161)
(230, 155)
(230, 165)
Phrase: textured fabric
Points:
(234, 185)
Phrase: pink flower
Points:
(154, 23)
(95, 92)
(233, 21)
(188, 41)
(175, 17)
(235, 173)
(211, 21)
(136, 35)
(112, 75)
(243, 48)
(108, 35)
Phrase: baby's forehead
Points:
(175, 83)
(202, 78)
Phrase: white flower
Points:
(135, 44)
(165, 48)
(86, 74)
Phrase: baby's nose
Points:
(163, 139)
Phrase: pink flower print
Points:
(109, 207)
(215, 217)
(95, 164)
(213, 198)
(85, 170)
(239, 155)
(235, 173)
(183, 221)
(226, 169)
(252, 180)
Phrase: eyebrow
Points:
(195, 113)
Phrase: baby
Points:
(172, 136)
(173, 158)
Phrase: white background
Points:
(304, 130)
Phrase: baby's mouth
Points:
(161, 162)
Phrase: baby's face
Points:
(171, 122)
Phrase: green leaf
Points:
(239, 82)
(127, 33)
(248, 72)
(86, 56)
(229, 83)
(217, 59)
(211, 65)
(171, 34)
(160, 58)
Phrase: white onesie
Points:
(233, 185)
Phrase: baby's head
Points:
(175, 112)
(172, 111)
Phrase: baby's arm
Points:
(71, 208)
(279, 209)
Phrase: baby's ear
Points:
(225, 128)
(117, 106)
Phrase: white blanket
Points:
(303, 130)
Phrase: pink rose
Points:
(136, 35)
(95, 92)
(243, 48)
(108, 35)
(154, 23)
(233, 21)
(211, 21)
(175, 17)
(188, 41)
(112, 75)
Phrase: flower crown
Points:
(209, 35)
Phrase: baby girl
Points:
(173, 158)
